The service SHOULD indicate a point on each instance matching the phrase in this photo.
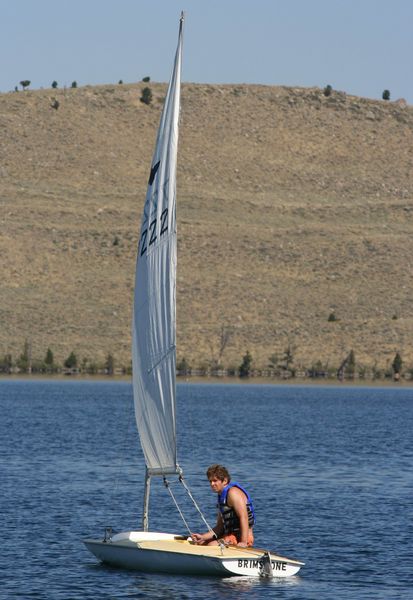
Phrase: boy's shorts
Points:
(232, 539)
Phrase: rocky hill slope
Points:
(292, 206)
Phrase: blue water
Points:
(329, 468)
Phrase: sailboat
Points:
(154, 374)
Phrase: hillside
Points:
(291, 206)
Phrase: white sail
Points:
(154, 311)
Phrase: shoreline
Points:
(209, 380)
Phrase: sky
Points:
(361, 47)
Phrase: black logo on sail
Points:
(153, 172)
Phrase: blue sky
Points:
(358, 46)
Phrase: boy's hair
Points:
(218, 472)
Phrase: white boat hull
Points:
(169, 553)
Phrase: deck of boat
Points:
(185, 546)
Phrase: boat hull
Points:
(169, 553)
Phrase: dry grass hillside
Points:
(291, 206)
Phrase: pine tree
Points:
(49, 358)
(183, 367)
(6, 364)
(351, 364)
(110, 364)
(288, 357)
(397, 364)
(24, 360)
(71, 361)
(245, 366)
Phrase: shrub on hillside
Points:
(327, 91)
(146, 97)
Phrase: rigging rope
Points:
(121, 460)
(188, 491)
(166, 483)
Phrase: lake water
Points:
(329, 468)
